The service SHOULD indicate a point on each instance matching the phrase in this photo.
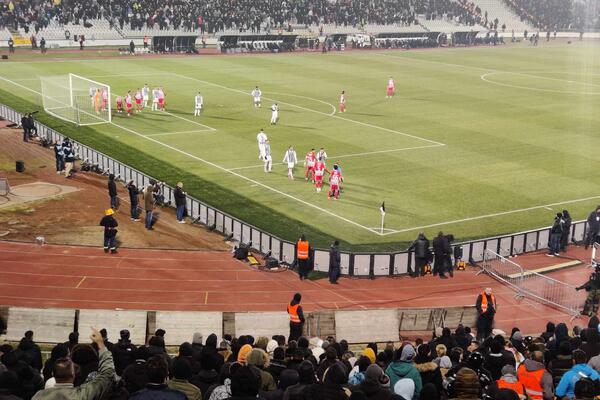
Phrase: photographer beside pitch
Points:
(592, 286)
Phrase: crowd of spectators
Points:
(450, 365)
(253, 16)
(545, 14)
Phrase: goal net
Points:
(76, 99)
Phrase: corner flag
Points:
(382, 208)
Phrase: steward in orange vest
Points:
(296, 315)
(537, 381)
(303, 257)
(486, 306)
(508, 380)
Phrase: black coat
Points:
(123, 355)
(420, 247)
(112, 188)
(374, 391)
(133, 194)
(593, 224)
(441, 247)
(334, 257)
(179, 195)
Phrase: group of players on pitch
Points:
(314, 162)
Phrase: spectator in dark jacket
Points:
(593, 227)
(245, 384)
(30, 380)
(591, 346)
(556, 232)
(30, 352)
(334, 262)
(58, 351)
(157, 371)
(123, 352)
(564, 239)
(561, 363)
(134, 200)
(180, 202)
(441, 253)
(376, 385)
(134, 376)
(495, 360)
(59, 157)
(429, 371)
(289, 377)
(110, 225)
(207, 375)
(420, 247)
(112, 192)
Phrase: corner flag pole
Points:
(382, 211)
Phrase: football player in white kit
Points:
(145, 95)
(274, 113)
(268, 159)
(261, 138)
(291, 160)
(198, 101)
(155, 99)
(256, 93)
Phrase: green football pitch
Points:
(476, 142)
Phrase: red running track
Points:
(84, 277)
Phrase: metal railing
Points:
(534, 285)
(359, 264)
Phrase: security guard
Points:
(592, 286)
(486, 306)
(303, 255)
(294, 310)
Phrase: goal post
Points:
(76, 99)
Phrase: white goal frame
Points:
(73, 103)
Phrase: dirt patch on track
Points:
(73, 218)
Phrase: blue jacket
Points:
(566, 386)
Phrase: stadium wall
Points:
(53, 325)
(357, 264)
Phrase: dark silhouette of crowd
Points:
(255, 16)
(545, 14)
(450, 365)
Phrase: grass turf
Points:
(477, 133)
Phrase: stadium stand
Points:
(451, 364)
(505, 15)
(545, 14)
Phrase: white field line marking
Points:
(208, 128)
(484, 77)
(544, 206)
(347, 155)
(179, 132)
(309, 98)
(311, 110)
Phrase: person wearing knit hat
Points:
(110, 225)
(243, 353)
(405, 388)
(508, 380)
(258, 359)
(370, 354)
(465, 385)
(445, 365)
(402, 367)
(271, 346)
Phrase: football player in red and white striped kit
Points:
(335, 178)
(343, 102)
(309, 163)
(391, 88)
(320, 170)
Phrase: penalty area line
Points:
(368, 153)
(498, 214)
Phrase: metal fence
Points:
(352, 264)
(531, 284)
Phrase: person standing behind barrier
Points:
(422, 254)
(149, 205)
(69, 158)
(59, 157)
(110, 231)
(564, 239)
(25, 126)
(302, 256)
(294, 310)
(180, 197)
(593, 227)
(555, 235)
(133, 200)
(486, 307)
(112, 192)
(441, 252)
(334, 263)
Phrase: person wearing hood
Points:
(376, 385)
(123, 352)
(222, 390)
(593, 227)
(134, 200)
(564, 239)
(508, 380)
(466, 385)
(561, 363)
(496, 359)
(331, 358)
(549, 333)
(245, 384)
(182, 373)
(210, 348)
(420, 247)
(332, 386)
(580, 370)
(462, 339)
(58, 351)
(307, 378)
(537, 381)
(561, 334)
(288, 377)
(357, 374)
(134, 375)
(591, 345)
(429, 370)
(277, 363)
(475, 363)
(403, 367)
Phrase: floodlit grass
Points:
(472, 136)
